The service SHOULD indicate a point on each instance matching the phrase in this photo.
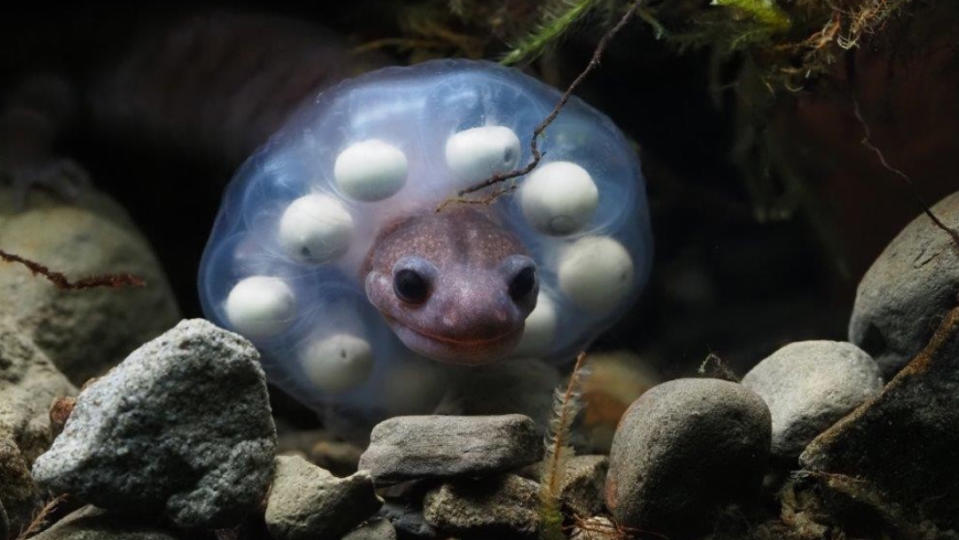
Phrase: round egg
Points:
(475, 154)
(540, 328)
(370, 170)
(315, 229)
(596, 272)
(338, 363)
(559, 197)
(260, 306)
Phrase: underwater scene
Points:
(480, 269)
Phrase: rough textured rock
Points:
(595, 528)
(4, 523)
(91, 523)
(501, 505)
(907, 290)
(684, 449)
(903, 445)
(581, 488)
(29, 383)
(308, 502)
(19, 497)
(411, 447)
(375, 529)
(809, 385)
(182, 426)
(83, 332)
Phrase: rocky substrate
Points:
(818, 440)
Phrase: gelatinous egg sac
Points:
(329, 253)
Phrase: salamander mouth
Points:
(456, 351)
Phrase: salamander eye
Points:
(412, 279)
(523, 283)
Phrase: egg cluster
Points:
(282, 266)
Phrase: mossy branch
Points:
(554, 25)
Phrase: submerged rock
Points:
(683, 450)
(29, 383)
(19, 497)
(92, 523)
(181, 427)
(502, 505)
(582, 483)
(809, 385)
(903, 446)
(907, 290)
(407, 519)
(442, 447)
(375, 529)
(308, 502)
(84, 332)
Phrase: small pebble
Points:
(370, 170)
(559, 198)
(683, 450)
(581, 487)
(92, 523)
(307, 502)
(260, 306)
(338, 363)
(596, 272)
(808, 386)
(501, 505)
(374, 529)
(315, 229)
(443, 447)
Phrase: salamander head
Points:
(454, 286)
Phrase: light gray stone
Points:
(29, 383)
(683, 450)
(375, 529)
(809, 385)
(92, 523)
(442, 447)
(308, 502)
(181, 427)
(907, 290)
(83, 332)
(581, 487)
(502, 505)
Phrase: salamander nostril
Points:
(523, 283)
(410, 286)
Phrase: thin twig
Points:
(61, 281)
(534, 141)
(40, 520)
(867, 142)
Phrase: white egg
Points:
(338, 362)
(540, 328)
(260, 306)
(476, 154)
(596, 272)
(370, 170)
(559, 198)
(315, 229)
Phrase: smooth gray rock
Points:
(29, 383)
(809, 385)
(308, 502)
(442, 447)
(83, 332)
(181, 427)
(581, 487)
(92, 523)
(375, 529)
(502, 505)
(907, 290)
(683, 450)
